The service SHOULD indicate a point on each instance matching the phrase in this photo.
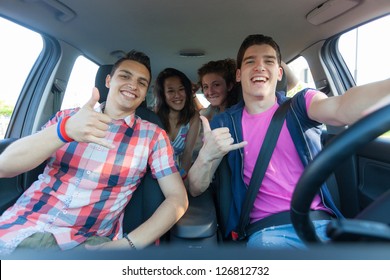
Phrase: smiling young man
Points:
(240, 131)
(95, 161)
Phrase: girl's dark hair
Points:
(162, 108)
(134, 55)
(257, 39)
(226, 68)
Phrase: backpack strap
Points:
(263, 159)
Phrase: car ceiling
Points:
(162, 28)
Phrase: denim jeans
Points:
(284, 236)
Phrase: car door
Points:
(352, 60)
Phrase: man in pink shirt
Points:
(239, 132)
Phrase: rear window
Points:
(81, 82)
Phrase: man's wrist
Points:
(131, 244)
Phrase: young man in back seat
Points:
(240, 131)
(95, 161)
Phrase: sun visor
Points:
(329, 10)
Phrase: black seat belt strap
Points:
(262, 162)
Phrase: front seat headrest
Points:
(142, 111)
(100, 81)
(282, 84)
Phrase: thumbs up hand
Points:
(89, 126)
(217, 142)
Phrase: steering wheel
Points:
(315, 174)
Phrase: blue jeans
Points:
(284, 236)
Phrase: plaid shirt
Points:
(85, 187)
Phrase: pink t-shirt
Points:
(284, 169)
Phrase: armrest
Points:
(12, 188)
(200, 220)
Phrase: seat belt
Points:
(262, 162)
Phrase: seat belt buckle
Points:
(234, 236)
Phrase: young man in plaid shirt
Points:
(96, 158)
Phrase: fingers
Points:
(205, 123)
(95, 129)
(238, 145)
(223, 141)
(102, 142)
(101, 123)
(90, 126)
(221, 137)
(218, 143)
(102, 120)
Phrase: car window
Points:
(366, 51)
(81, 82)
(301, 70)
(16, 61)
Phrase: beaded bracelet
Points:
(61, 133)
(130, 242)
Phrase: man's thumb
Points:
(94, 98)
(205, 123)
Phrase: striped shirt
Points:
(85, 187)
(179, 143)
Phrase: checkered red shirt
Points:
(85, 187)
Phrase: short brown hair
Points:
(257, 39)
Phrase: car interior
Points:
(355, 161)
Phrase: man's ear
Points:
(238, 75)
(108, 80)
(280, 76)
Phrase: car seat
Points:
(223, 196)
